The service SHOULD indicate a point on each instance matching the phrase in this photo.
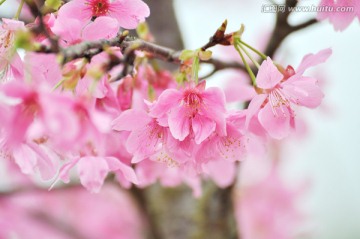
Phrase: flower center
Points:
(277, 99)
(99, 7)
(192, 98)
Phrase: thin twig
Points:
(283, 28)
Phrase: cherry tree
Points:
(106, 131)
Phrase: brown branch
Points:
(139, 195)
(283, 28)
(219, 38)
(128, 45)
(42, 28)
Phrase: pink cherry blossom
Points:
(127, 12)
(147, 136)
(73, 31)
(339, 19)
(92, 171)
(11, 66)
(191, 111)
(33, 158)
(231, 147)
(277, 92)
(43, 68)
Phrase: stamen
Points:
(98, 7)
(192, 98)
(278, 99)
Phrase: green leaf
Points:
(186, 55)
(53, 4)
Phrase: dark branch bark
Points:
(283, 28)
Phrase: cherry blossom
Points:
(191, 111)
(339, 19)
(11, 66)
(277, 91)
(127, 12)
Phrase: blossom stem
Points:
(251, 74)
(249, 56)
(18, 12)
(2, 1)
(262, 55)
(195, 69)
(58, 85)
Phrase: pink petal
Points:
(130, 120)
(142, 144)
(92, 172)
(203, 127)
(12, 25)
(25, 158)
(101, 28)
(313, 60)
(167, 100)
(268, 75)
(69, 30)
(75, 9)
(254, 107)
(304, 92)
(340, 20)
(47, 161)
(17, 67)
(65, 170)
(214, 108)
(232, 147)
(127, 171)
(277, 126)
(179, 123)
(129, 13)
(221, 171)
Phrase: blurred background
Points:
(328, 155)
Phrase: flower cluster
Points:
(146, 127)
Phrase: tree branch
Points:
(90, 48)
(283, 28)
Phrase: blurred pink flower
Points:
(92, 171)
(267, 209)
(339, 19)
(11, 66)
(64, 214)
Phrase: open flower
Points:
(277, 91)
(127, 12)
(191, 111)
